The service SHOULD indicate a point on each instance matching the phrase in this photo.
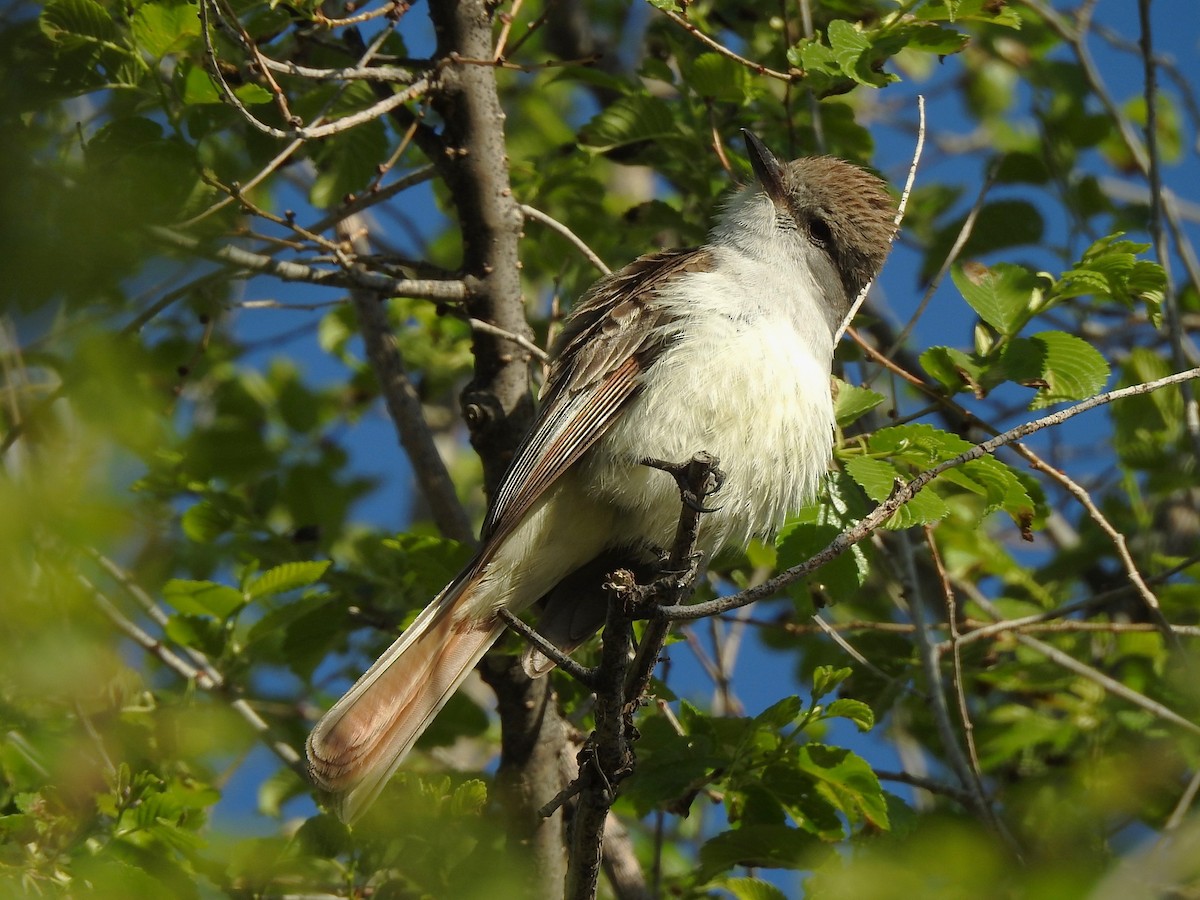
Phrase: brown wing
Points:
(610, 339)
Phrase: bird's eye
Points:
(819, 233)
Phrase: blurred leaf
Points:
(286, 577)
(854, 710)
(161, 28)
(201, 598)
(760, 846)
(634, 119)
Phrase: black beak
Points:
(767, 169)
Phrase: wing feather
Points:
(609, 341)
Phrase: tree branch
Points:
(403, 403)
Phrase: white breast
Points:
(747, 379)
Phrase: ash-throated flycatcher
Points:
(725, 348)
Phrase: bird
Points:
(725, 348)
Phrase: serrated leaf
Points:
(1003, 295)
(469, 798)
(1070, 367)
(852, 402)
(286, 577)
(877, 477)
(955, 370)
(800, 541)
(633, 119)
(848, 45)
(163, 28)
(202, 598)
(76, 21)
(854, 710)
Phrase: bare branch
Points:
(1071, 664)
(205, 677)
(403, 402)
(720, 48)
(900, 209)
(246, 260)
(553, 223)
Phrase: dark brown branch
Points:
(471, 157)
(608, 756)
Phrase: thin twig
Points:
(451, 291)
(899, 218)
(531, 212)
(205, 677)
(720, 48)
(960, 691)
(1070, 663)
(403, 402)
(964, 234)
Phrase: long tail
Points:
(359, 743)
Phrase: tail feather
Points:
(359, 743)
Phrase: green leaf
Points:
(286, 577)
(634, 119)
(849, 46)
(201, 598)
(1005, 296)
(826, 679)
(761, 846)
(956, 370)
(200, 632)
(847, 781)
(1110, 270)
(1147, 425)
(800, 541)
(323, 836)
(75, 22)
(720, 78)
(1062, 367)
(852, 402)
(204, 522)
(163, 28)
(931, 38)
(281, 617)
(780, 714)
(854, 710)
(877, 477)
(347, 162)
